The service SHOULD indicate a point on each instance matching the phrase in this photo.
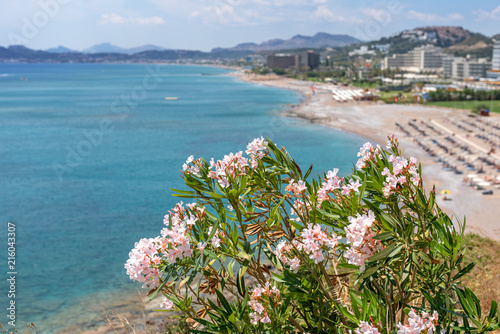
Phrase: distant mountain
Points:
(19, 53)
(110, 48)
(147, 47)
(320, 40)
(104, 48)
(496, 37)
(60, 49)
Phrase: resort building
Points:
(460, 68)
(362, 51)
(495, 59)
(494, 73)
(421, 59)
(307, 59)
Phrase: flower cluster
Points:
(173, 244)
(191, 166)
(216, 239)
(352, 186)
(284, 252)
(257, 148)
(260, 302)
(233, 165)
(332, 182)
(360, 239)
(366, 328)
(297, 188)
(366, 153)
(178, 222)
(402, 168)
(141, 265)
(311, 241)
(167, 304)
(425, 324)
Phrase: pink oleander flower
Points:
(402, 169)
(360, 239)
(141, 265)
(216, 239)
(312, 241)
(201, 246)
(265, 319)
(233, 165)
(297, 188)
(366, 153)
(167, 304)
(173, 244)
(332, 182)
(294, 264)
(425, 323)
(260, 302)
(366, 328)
(191, 166)
(257, 148)
(353, 186)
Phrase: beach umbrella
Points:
(484, 184)
(445, 192)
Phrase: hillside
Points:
(110, 48)
(454, 40)
(320, 40)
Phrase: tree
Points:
(279, 71)
(265, 249)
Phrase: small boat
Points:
(171, 98)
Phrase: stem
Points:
(296, 324)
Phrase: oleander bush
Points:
(264, 248)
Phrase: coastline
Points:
(375, 121)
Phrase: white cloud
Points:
(118, 19)
(324, 13)
(483, 15)
(232, 15)
(426, 17)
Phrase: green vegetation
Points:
(484, 279)
(261, 70)
(464, 95)
(279, 71)
(470, 105)
(402, 97)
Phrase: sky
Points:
(206, 24)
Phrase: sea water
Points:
(89, 152)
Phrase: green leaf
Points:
(240, 282)
(464, 271)
(493, 309)
(223, 301)
(384, 253)
(383, 236)
(347, 266)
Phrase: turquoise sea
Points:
(89, 152)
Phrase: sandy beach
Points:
(376, 120)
